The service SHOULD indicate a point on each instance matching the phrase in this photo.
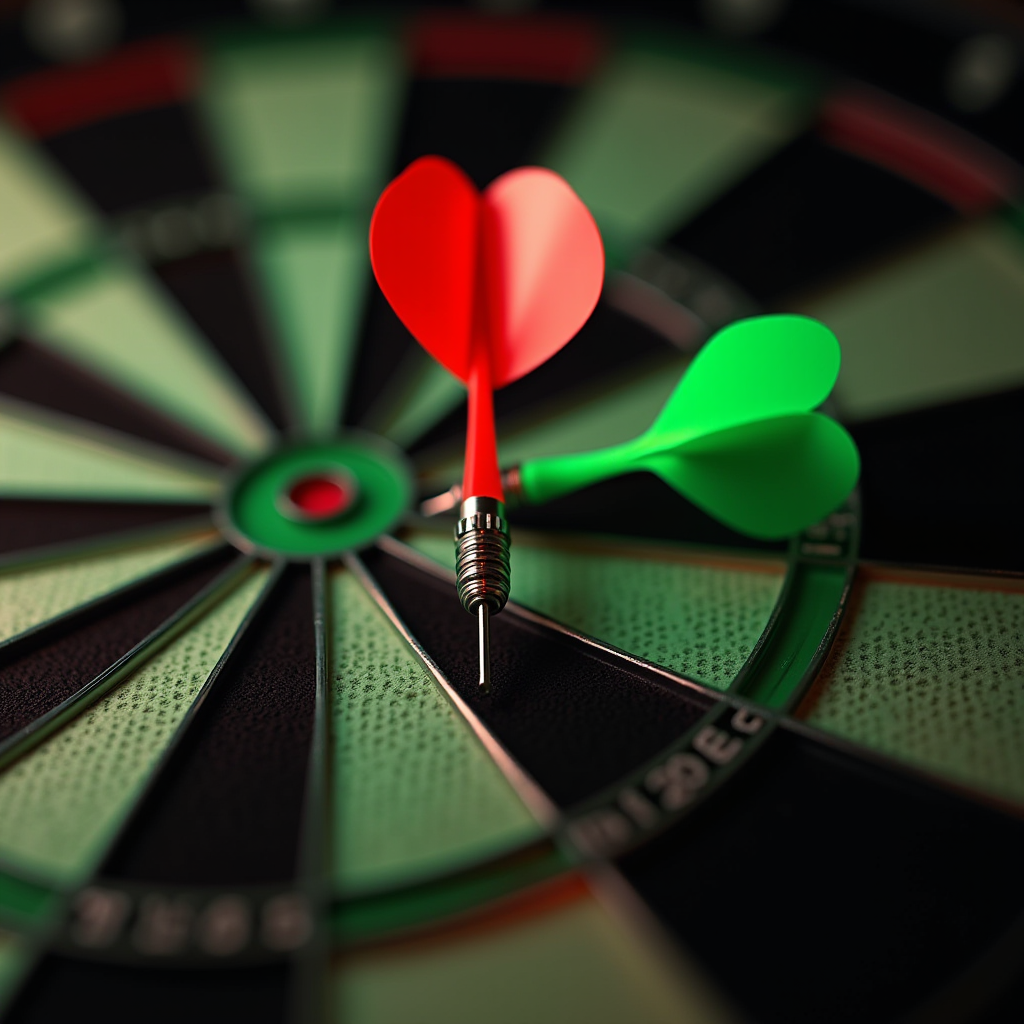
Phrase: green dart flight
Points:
(738, 437)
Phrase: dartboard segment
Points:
(66, 662)
(227, 807)
(666, 128)
(132, 143)
(692, 612)
(33, 592)
(870, 175)
(953, 308)
(304, 130)
(44, 455)
(93, 305)
(32, 529)
(574, 720)
(32, 374)
(926, 669)
(806, 824)
(65, 801)
(570, 946)
(429, 801)
(943, 460)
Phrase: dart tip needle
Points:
(484, 632)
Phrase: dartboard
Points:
(246, 773)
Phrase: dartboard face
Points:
(246, 773)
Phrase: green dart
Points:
(738, 437)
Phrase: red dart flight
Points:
(491, 284)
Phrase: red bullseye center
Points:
(319, 496)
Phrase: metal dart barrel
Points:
(482, 567)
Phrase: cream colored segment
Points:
(416, 793)
(310, 119)
(657, 137)
(568, 962)
(41, 221)
(945, 322)
(62, 804)
(29, 596)
(44, 459)
(117, 324)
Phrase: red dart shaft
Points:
(481, 476)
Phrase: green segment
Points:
(416, 794)
(315, 272)
(699, 620)
(814, 596)
(308, 117)
(736, 436)
(939, 324)
(117, 324)
(43, 222)
(933, 675)
(385, 490)
(63, 803)
(306, 126)
(661, 134)
(44, 457)
(24, 902)
(30, 596)
(566, 961)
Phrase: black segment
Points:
(575, 719)
(50, 666)
(135, 159)
(386, 348)
(635, 505)
(944, 486)
(609, 343)
(228, 808)
(27, 523)
(815, 872)
(31, 373)
(809, 213)
(80, 992)
(215, 288)
(486, 126)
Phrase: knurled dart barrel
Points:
(482, 555)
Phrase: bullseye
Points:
(319, 497)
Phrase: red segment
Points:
(929, 152)
(557, 50)
(149, 74)
(320, 497)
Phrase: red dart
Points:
(491, 284)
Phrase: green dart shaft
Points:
(542, 480)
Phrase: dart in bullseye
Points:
(738, 436)
(491, 284)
